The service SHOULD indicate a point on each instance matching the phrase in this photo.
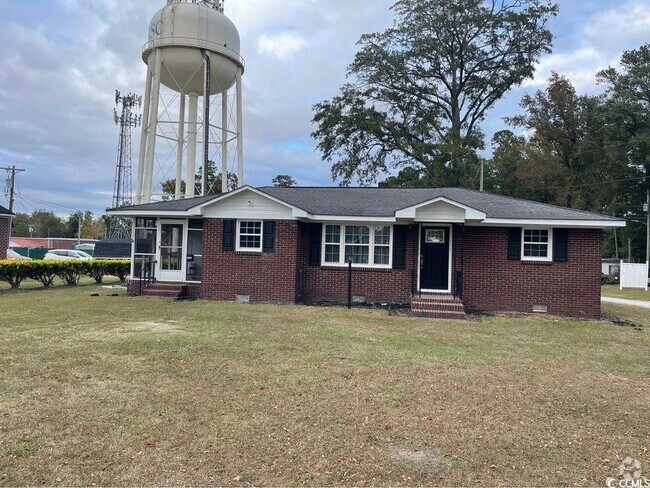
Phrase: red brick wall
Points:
(330, 284)
(265, 277)
(492, 283)
(4, 237)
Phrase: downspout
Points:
(206, 120)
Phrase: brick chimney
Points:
(383, 184)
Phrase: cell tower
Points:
(193, 51)
(125, 119)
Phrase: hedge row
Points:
(15, 272)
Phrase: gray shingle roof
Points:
(5, 211)
(170, 205)
(384, 202)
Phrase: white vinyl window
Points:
(537, 245)
(249, 235)
(366, 245)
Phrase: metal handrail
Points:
(146, 276)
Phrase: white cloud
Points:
(282, 45)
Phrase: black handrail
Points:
(146, 275)
(458, 291)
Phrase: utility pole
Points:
(12, 184)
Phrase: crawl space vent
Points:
(540, 308)
(243, 298)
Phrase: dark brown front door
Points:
(434, 270)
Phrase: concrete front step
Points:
(417, 305)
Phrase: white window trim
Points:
(238, 248)
(371, 251)
(549, 256)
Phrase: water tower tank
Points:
(181, 30)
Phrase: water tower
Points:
(192, 53)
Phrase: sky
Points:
(61, 61)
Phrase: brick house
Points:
(439, 250)
(5, 230)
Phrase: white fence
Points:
(634, 275)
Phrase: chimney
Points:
(383, 184)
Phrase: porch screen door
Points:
(171, 251)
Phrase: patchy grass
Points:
(128, 391)
(631, 294)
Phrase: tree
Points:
(629, 116)
(421, 89)
(563, 156)
(43, 224)
(283, 181)
(213, 186)
(91, 227)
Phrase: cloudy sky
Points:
(61, 60)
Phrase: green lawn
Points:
(128, 391)
(631, 294)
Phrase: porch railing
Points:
(146, 275)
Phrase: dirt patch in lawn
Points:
(424, 458)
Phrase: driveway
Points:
(623, 301)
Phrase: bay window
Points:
(365, 245)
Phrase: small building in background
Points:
(611, 266)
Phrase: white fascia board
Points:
(352, 218)
(588, 224)
(297, 212)
(470, 212)
(7, 216)
(153, 213)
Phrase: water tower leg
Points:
(224, 142)
(153, 131)
(240, 132)
(143, 138)
(192, 123)
(179, 150)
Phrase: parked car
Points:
(11, 254)
(67, 255)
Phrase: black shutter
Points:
(399, 246)
(560, 245)
(269, 236)
(514, 244)
(229, 235)
(315, 241)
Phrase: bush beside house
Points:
(15, 272)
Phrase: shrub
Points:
(119, 268)
(45, 271)
(15, 272)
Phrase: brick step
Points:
(439, 314)
(166, 286)
(160, 293)
(417, 305)
(436, 297)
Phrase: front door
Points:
(171, 250)
(434, 262)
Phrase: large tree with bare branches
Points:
(419, 91)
